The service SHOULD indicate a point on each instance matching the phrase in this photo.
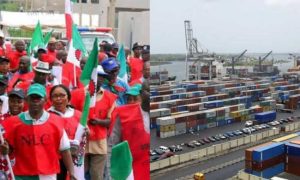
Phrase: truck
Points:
(89, 34)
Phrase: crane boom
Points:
(235, 59)
(260, 60)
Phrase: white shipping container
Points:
(210, 113)
(204, 99)
(211, 125)
(154, 113)
(227, 109)
(180, 126)
(241, 106)
(165, 112)
(165, 120)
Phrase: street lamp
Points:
(131, 32)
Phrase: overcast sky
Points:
(226, 26)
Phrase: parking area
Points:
(162, 148)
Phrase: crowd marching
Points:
(41, 111)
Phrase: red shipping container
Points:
(191, 123)
(173, 109)
(181, 119)
(153, 106)
(260, 166)
(201, 121)
(292, 168)
(248, 164)
(233, 108)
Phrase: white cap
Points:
(42, 67)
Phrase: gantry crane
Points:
(193, 53)
(235, 59)
(261, 60)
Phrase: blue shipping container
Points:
(175, 96)
(154, 93)
(229, 121)
(268, 152)
(292, 149)
(265, 116)
(270, 172)
(221, 123)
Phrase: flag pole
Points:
(75, 81)
(6, 156)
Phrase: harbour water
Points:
(177, 68)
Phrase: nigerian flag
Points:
(37, 39)
(121, 162)
(123, 65)
(89, 79)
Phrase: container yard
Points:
(182, 113)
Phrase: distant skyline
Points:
(226, 26)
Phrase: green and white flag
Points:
(121, 162)
(37, 39)
(77, 48)
(121, 57)
(47, 37)
(89, 80)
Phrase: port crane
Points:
(193, 54)
(261, 60)
(235, 59)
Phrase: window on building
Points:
(95, 1)
(83, 1)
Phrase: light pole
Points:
(131, 32)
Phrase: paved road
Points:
(226, 172)
(184, 171)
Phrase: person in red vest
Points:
(41, 74)
(23, 74)
(35, 137)
(16, 105)
(60, 96)
(130, 123)
(146, 74)
(99, 121)
(52, 47)
(136, 63)
(15, 56)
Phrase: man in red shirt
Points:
(52, 47)
(136, 63)
(15, 56)
(23, 74)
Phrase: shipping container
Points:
(270, 172)
(268, 152)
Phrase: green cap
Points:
(134, 90)
(37, 89)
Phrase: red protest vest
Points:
(100, 111)
(35, 147)
(18, 78)
(71, 123)
(136, 68)
(68, 72)
(14, 59)
(132, 129)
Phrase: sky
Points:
(226, 26)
